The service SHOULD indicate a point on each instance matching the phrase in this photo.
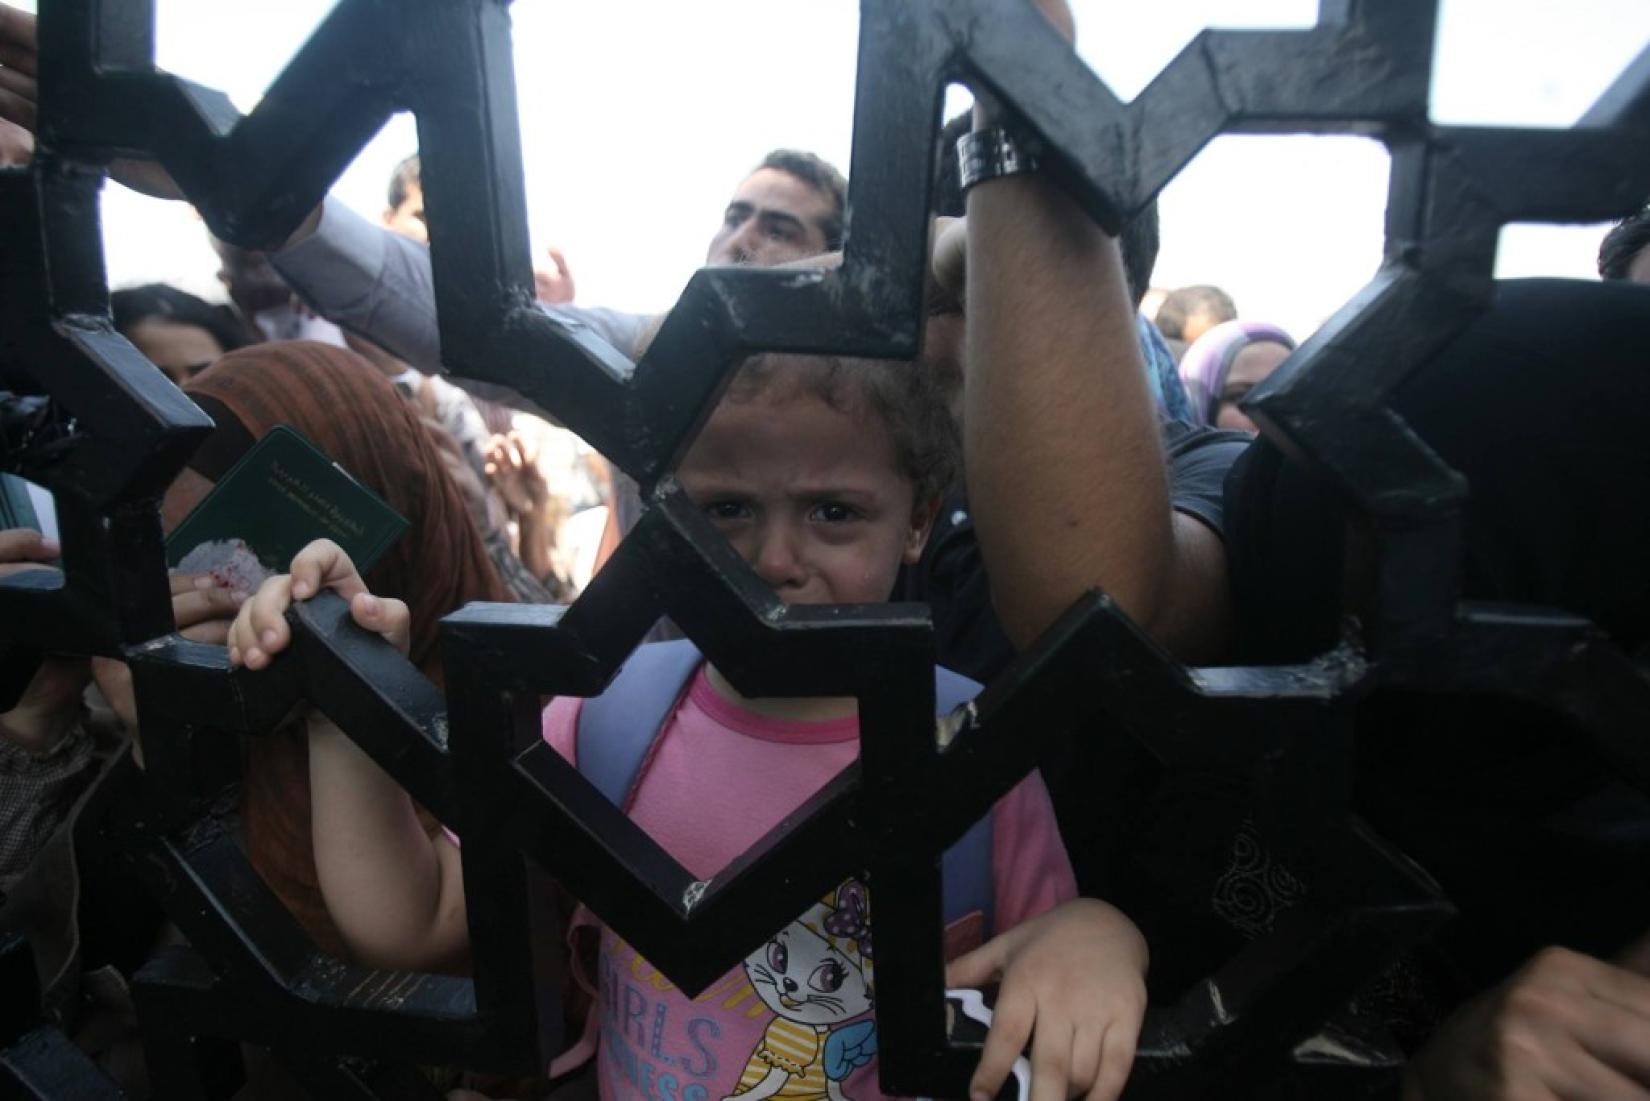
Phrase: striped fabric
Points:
(795, 1049)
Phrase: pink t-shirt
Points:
(788, 1024)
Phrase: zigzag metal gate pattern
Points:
(475, 757)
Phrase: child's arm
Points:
(1073, 981)
(396, 894)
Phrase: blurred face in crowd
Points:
(179, 349)
(408, 218)
(1251, 367)
(773, 218)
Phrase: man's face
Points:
(408, 218)
(773, 218)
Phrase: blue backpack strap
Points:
(618, 727)
(969, 884)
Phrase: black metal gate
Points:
(475, 757)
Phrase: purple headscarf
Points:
(1209, 360)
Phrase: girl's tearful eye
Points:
(725, 511)
(834, 512)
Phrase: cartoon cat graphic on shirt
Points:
(815, 974)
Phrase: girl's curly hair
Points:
(906, 397)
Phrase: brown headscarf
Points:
(345, 407)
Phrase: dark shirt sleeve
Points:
(1199, 460)
(951, 576)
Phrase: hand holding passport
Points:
(283, 494)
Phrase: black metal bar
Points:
(1269, 1014)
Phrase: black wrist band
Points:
(989, 154)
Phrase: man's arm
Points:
(1563, 1028)
(367, 279)
(1065, 466)
(356, 275)
(379, 285)
(1066, 471)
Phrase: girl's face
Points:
(809, 495)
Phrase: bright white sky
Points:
(639, 117)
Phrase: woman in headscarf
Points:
(351, 412)
(1225, 363)
(346, 408)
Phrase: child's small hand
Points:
(1073, 982)
(260, 631)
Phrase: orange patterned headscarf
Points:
(345, 407)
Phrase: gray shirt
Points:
(377, 284)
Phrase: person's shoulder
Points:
(1200, 457)
(1183, 438)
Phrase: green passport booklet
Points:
(282, 495)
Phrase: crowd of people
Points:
(1066, 428)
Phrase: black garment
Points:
(950, 578)
(1120, 826)
(1542, 405)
